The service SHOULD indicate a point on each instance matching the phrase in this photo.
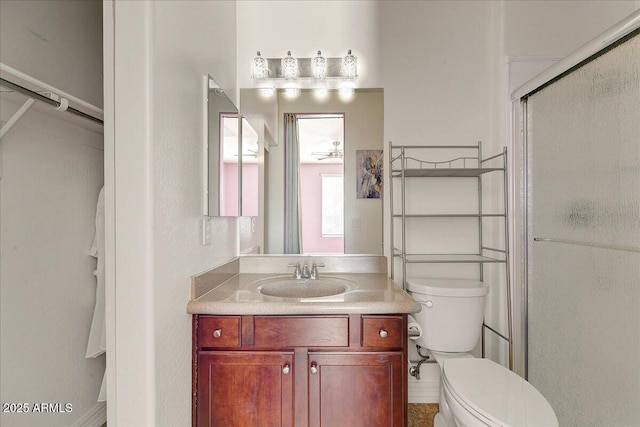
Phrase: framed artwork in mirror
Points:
(369, 174)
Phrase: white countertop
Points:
(372, 293)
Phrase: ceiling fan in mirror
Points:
(336, 153)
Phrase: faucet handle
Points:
(297, 274)
(314, 270)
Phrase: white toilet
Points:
(473, 392)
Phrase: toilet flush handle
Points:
(428, 303)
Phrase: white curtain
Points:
(292, 205)
(97, 343)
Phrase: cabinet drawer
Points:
(219, 331)
(301, 331)
(382, 331)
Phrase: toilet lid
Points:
(497, 394)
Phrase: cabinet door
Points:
(241, 388)
(356, 389)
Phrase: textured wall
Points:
(187, 42)
(162, 50)
(58, 42)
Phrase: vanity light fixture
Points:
(289, 67)
(259, 68)
(319, 73)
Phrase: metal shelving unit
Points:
(412, 162)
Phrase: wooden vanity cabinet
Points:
(315, 371)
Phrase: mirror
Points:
(363, 116)
(232, 158)
(219, 115)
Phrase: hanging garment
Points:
(97, 335)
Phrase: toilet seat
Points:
(496, 395)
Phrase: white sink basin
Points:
(324, 288)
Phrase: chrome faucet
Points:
(297, 274)
(314, 271)
(305, 272)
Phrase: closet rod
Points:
(42, 98)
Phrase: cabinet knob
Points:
(383, 333)
(217, 333)
(314, 368)
(286, 369)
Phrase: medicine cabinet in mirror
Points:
(231, 147)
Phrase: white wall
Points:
(557, 28)
(52, 171)
(162, 49)
(58, 42)
(303, 27)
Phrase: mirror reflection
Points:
(238, 171)
(219, 107)
(320, 177)
(361, 132)
(232, 165)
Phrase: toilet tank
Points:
(452, 312)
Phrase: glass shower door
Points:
(583, 274)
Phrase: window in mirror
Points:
(321, 165)
(332, 205)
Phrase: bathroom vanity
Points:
(259, 360)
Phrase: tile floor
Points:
(421, 414)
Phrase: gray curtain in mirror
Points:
(292, 208)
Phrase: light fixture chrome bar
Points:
(588, 244)
(334, 68)
(46, 100)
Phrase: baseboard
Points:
(427, 389)
(94, 417)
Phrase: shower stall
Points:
(581, 200)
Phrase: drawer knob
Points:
(286, 369)
(217, 333)
(383, 333)
(314, 368)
